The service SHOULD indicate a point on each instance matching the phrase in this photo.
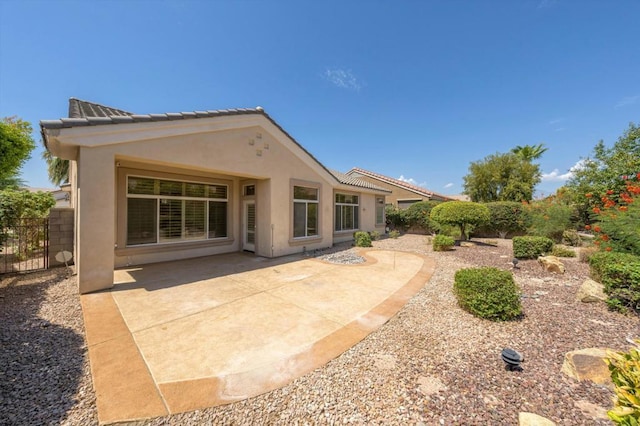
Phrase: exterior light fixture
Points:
(515, 263)
(512, 359)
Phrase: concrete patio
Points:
(185, 335)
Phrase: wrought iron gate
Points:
(24, 246)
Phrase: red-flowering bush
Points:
(616, 219)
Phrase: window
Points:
(164, 211)
(404, 204)
(305, 212)
(379, 210)
(347, 207)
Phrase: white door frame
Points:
(248, 243)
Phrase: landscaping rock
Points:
(591, 291)
(551, 264)
(592, 410)
(531, 419)
(588, 364)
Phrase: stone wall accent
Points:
(61, 229)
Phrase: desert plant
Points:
(529, 247)
(549, 218)
(394, 234)
(488, 293)
(625, 375)
(375, 235)
(585, 253)
(442, 242)
(571, 238)
(363, 239)
(562, 251)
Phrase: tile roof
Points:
(353, 181)
(414, 188)
(84, 113)
(83, 109)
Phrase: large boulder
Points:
(532, 419)
(588, 364)
(551, 264)
(591, 291)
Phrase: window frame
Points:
(380, 205)
(205, 199)
(306, 202)
(341, 206)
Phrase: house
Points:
(403, 194)
(159, 187)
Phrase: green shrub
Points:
(506, 217)
(375, 235)
(417, 215)
(625, 375)
(394, 234)
(529, 247)
(442, 242)
(599, 260)
(488, 293)
(562, 251)
(395, 217)
(619, 273)
(363, 239)
(571, 238)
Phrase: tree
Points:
(461, 214)
(529, 152)
(16, 145)
(57, 168)
(609, 168)
(501, 177)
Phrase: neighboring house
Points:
(61, 195)
(403, 194)
(160, 187)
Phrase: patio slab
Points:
(191, 334)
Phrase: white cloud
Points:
(412, 181)
(449, 185)
(343, 79)
(629, 100)
(555, 176)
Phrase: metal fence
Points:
(24, 246)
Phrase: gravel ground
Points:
(431, 364)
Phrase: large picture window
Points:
(346, 213)
(163, 211)
(305, 212)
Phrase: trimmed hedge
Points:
(488, 293)
(442, 242)
(619, 273)
(529, 247)
(363, 239)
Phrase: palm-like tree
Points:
(529, 152)
(57, 168)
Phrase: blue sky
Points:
(410, 89)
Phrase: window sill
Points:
(164, 247)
